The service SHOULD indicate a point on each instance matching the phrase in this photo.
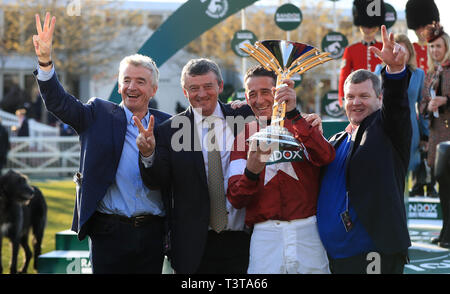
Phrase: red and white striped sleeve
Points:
(240, 187)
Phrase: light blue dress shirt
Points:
(128, 195)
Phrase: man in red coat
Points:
(419, 14)
(358, 56)
(279, 194)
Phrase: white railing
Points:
(44, 155)
(11, 122)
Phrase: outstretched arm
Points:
(63, 105)
(43, 41)
(395, 111)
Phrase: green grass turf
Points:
(60, 197)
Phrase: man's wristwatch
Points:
(45, 64)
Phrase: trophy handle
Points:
(279, 109)
(300, 65)
(269, 64)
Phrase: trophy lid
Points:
(286, 52)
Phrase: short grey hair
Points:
(140, 60)
(201, 66)
(362, 75)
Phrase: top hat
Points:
(420, 13)
(361, 13)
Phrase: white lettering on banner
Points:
(288, 155)
(331, 38)
(288, 17)
(390, 16)
(244, 36)
(435, 263)
(426, 210)
(78, 266)
(86, 267)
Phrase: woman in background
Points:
(436, 104)
(419, 126)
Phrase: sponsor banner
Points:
(240, 38)
(279, 156)
(335, 43)
(424, 209)
(330, 105)
(288, 17)
(179, 29)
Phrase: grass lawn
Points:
(60, 197)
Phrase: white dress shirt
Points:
(225, 139)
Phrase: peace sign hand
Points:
(43, 40)
(145, 141)
(392, 54)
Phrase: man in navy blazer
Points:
(181, 162)
(123, 218)
(360, 212)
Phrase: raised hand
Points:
(237, 104)
(145, 141)
(286, 94)
(436, 102)
(314, 120)
(258, 155)
(43, 40)
(392, 54)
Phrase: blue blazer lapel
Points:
(119, 129)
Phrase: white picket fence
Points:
(44, 153)
(46, 156)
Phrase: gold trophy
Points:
(285, 58)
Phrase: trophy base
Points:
(276, 134)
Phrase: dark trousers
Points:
(358, 264)
(119, 247)
(444, 197)
(226, 253)
(419, 179)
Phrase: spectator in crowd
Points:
(24, 129)
(419, 14)
(436, 97)
(5, 146)
(14, 98)
(358, 56)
